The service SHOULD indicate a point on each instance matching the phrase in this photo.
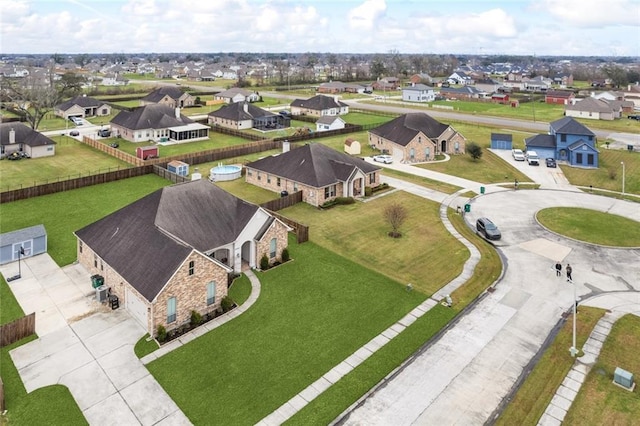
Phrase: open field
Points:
(414, 258)
(72, 159)
(538, 389)
(599, 401)
(65, 212)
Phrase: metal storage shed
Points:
(178, 167)
(33, 240)
(501, 141)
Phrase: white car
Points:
(532, 158)
(386, 159)
(518, 155)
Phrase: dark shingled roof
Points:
(157, 95)
(318, 103)
(157, 116)
(23, 134)
(403, 129)
(314, 164)
(542, 141)
(235, 111)
(82, 101)
(146, 241)
(569, 126)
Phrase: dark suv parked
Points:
(488, 229)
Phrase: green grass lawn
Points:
(599, 401)
(251, 193)
(240, 289)
(359, 232)
(304, 324)
(436, 185)
(538, 389)
(10, 310)
(362, 118)
(609, 174)
(72, 159)
(65, 212)
(591, 226)
(533, 111)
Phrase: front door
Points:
(443, 147)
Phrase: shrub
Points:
(368, 191)
(161, 333)
(264, 262)
(613, 173)
(285, 255)
(196, 318)
(226, 304)
(345, 200)
(474, 150)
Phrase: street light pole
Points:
(622, 162)
(573, 350)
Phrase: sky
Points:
(515, 27)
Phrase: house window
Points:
(192, 267)
(579, 158)
(372, 178)
(250, 173)
(427, 153)
(95, 261)
(104, 111)
(590, 159)
(101, 266)
(563, 137)
(330, 191)
(273, 245)
(171, 309)
(419, 139)
(412, 154)
(211, 293)
(268, 178)
(80, 245)
(278, 181)
(295, 186)
(259, 177)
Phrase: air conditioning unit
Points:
(623, 378)
(102, 293)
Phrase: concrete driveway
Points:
(463, 377)
(87, 347)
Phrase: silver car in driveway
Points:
(384, 158)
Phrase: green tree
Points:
(474, 150)
(617, 75)
(377, 67)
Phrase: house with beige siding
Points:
(82, 106)
(171, 252)
(169, 96)
(320, 172)
(416, 137)
(319, 106)
(20, 138)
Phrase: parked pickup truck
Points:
(532, 158)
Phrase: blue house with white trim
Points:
(569, 141)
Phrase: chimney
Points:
(245, 107)
(12, 136)
(178, 113)
(285, 146)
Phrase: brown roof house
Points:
(170, 252)
(82, 106)
(321, 173)
(158, 123)
(318, 106)
(170, 96)
(416, 137)
(20, 138)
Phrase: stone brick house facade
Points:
(170, 253)
(321, 173)
(416, 137)
(170, 96)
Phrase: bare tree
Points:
(34, 95)
(395, 214)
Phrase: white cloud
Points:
(365, 16)
(593, 13)
(492, 23)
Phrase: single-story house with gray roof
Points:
(243, 115)
(158, 123)
(171, 252)
(18, 137)
(320, 172)
(170, 96)
(82, 106)
(416, 137)
(318, 106)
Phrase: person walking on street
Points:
(569, 271)
(558, 269)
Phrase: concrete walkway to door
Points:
(86, 347)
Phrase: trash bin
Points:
(630, 148)
(284, 193)
(97, 280)
(467, 208)
(482, 189)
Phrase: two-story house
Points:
(569, 141)
(418, 93)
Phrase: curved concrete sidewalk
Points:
(214, 323)
(619, 304)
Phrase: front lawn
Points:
(65, 212)
(599, 401)
(609, 174)
(313, 313)
(72, 159)
(591, 226)
(426, 255)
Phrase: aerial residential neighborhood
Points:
(356, 213)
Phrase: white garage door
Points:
(398, 154)
(136, 308)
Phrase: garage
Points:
(136, 307)
(398, 154)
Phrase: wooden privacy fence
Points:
(283, 202)
(18, 329)
(302, 231)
